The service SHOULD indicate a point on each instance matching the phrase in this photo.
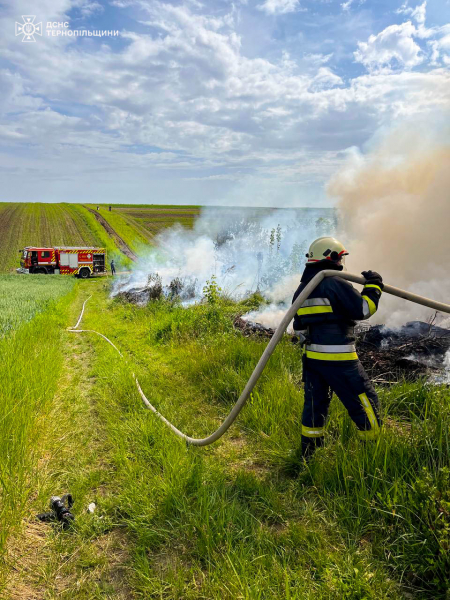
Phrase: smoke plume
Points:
(247, 250)
(394, 216)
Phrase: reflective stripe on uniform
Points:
(316, 302)
(314, 306)
(313, 310)
(331, 347)
(372, 285)
(331, 355)
(313, 432)
(371, 304)
(374, 427)
(331, 351)
(366, 309)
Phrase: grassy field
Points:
(21, 298)
(30, 367)
(148, 221)
(361, 521)
(129, 231)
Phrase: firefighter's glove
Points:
(374, 278)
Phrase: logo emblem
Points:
(28, 28)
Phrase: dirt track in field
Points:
(112, 233)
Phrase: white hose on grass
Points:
(309, 288)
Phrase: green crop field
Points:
(150, 220)
(32, 320)
(363, 520)
(133, 235)
(21, 298)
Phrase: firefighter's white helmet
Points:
(326, 248)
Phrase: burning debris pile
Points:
(412, 351)
(185, 289)
(246, 250)
(249, 328)
(415, 350)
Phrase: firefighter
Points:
(113, 268)
(325, 322)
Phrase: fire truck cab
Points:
(65, 260)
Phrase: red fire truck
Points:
(65, 260)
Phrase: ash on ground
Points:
(415, 350)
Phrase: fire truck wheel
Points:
(84, 273)
(41, 271)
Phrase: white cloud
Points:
(396, 44)
(183, 99)
(393, 44)
(318, 59)
(434, 46)
(347, 5)
(278, 7)
(418, 13)
(88, 9)
(444, 42)
(325, 78)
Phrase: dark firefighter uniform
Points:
(331, 364)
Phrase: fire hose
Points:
(310, 287)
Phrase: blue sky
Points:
(255, 102)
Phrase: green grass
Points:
(361, 521)
(124, 227)
(150, 206)
(22, 297)
(41, 224)
(30, 365)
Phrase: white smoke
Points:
(280, 296)
(247, 250)
(394, 215)
(447, 367)
(284, 287)
(269, 316)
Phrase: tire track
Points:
(112, 233)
